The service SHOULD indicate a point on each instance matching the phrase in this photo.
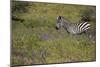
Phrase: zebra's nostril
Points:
(57, 28)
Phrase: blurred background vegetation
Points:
(35, 40)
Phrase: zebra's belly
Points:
(73, 31)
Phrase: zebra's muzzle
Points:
(57, 28)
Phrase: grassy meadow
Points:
(36, 41)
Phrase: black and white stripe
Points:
(72, 27)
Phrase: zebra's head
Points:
(59, 22)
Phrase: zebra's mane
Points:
(65, 20)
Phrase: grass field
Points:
(36, 41)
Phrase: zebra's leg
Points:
(87, 33)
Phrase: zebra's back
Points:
(78, 28)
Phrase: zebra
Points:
(72, 28)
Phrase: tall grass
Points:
(35, 41)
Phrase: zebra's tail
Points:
(84, 26)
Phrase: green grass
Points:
(35, 41)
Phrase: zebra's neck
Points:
(66, 23)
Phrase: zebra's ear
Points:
(59, 17)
